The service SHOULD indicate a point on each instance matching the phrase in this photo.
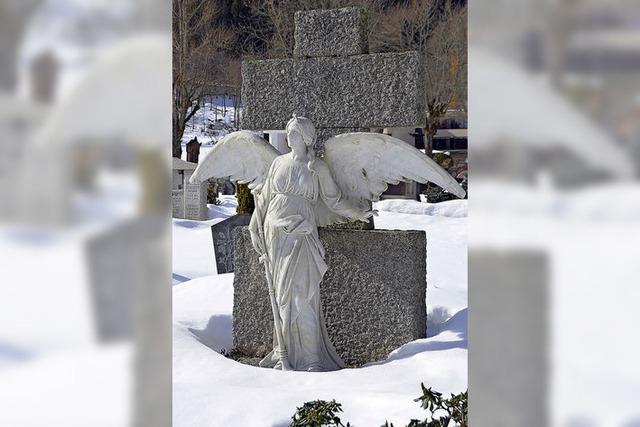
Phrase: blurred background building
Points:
(85, 101)
(553, 93)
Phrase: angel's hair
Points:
(305, 127)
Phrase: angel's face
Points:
(296, 143)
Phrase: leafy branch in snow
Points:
(318, 413)
(442, 412)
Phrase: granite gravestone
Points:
(193, 150)
(369, 308)
(334, 82)
(511, 299)
(127, 272)
(189, 201)
(195, 200)
(223, 241)
(45, 70)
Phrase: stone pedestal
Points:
(373, 295)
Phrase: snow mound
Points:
(450, 208)
(209, 387)
(604, 202)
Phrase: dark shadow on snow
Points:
(457, 324)
(190, 224)
(179, 278)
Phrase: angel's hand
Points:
(255, 242)
(364, 216)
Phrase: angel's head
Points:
(301, 135)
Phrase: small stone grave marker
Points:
(189, 201)
(223, 241)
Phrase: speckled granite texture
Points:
(333, 32)
(362, 91)
(373, 294)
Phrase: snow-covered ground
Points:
(590, 239)
(212, 389)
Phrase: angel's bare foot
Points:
(314, 368)
(282, 365)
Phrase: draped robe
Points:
(294, 200)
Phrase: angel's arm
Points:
(332, 195)
(256, 225)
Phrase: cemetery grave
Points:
(374, 292)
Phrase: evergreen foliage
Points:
(246, 204)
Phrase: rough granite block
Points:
(334, 32)
(373, 294)
(362, 91)
(355, 225)
(267, 94)
(379, 90)
(518, 280)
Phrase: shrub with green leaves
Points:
(245, 199)
(442, 412)
(318, 413)
(451, 412)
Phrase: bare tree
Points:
(439, 33)
(198, 60)
(434, 28)
(279, 36)
(446, 69)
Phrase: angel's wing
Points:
(363, 164)
(244, 156)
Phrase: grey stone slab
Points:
(267, 94)
(355, 225)
(362, 91)
(379, 90)
(110, 264)
(223, 241)
(130, 289)
(195, 201)
(509, 327)
(115, 272)
(177, 203)
(373, 294)
(333, 32)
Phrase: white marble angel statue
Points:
(294, 194)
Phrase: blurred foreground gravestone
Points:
(370, 309)
(20, 119)
(129, 289)
(508, 328)
(44, 77)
